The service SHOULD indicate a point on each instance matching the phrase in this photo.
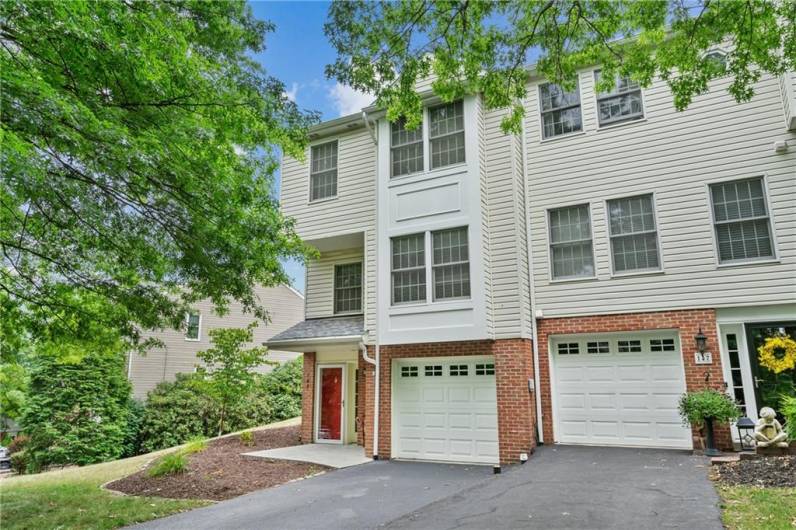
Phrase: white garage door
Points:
(445, 409)
(619, 390)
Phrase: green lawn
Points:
(746, 507)
(72, 498)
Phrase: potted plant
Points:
(705, 407)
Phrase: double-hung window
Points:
(323, 171)
(571, 252)
(348, 288)
(408, 269)
(633, 234)
(451, 264)
(446, 134)
(406, 149)
(622, 103)
(560, 110)
(741, 221)
(193, 326)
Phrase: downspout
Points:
(532, 287)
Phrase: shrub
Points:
(788, 406)
(283, 385)
(195, 445)
(132, 435)
(20, 461)
(170, 464)
(76, 413)
(247, 438)
(696, 407)
(18, 443)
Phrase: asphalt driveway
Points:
(560, 487)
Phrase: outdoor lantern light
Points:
(746, 428)
(701, 341)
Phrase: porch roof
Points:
(314, 330)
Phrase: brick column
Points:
(516, 407)
(308, 398)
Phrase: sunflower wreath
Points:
(778, 354)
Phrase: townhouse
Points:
(479, 293)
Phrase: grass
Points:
(747, 507)
(72, 498)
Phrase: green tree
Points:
(283, 386)
(228, 374)
(483, 46)
(139, 140)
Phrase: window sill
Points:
(320, 201)
(621, 124)
(637, 273)
(431, 307)
(752, 263)
(574, 280)
(562, 137)
(348, 314)
(423, 175)
(193, 340)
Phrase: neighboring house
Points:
(284, 304)
(479, 293)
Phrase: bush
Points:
(696, 407)
(20, 461)
(131, 445)
(76, 413)
(169, 465)
(18, 443)
(788, 407)
(283, 385)
(247, 438)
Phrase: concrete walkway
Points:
(331, 455)
(560, 487)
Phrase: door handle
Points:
(757, 382)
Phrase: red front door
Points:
(331, 404)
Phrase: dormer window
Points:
(323, 171)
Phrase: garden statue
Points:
(768, 431)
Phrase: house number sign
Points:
(703, 357)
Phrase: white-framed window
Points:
(409, 371)
(434, 370)
(485, 369)
(560, 110)
(406, 149)
(450, 264)
(323, 171)
(193, 326)
(623, 103)
(571, 250)
(741, 220)
(446, 134)
(633, 234)
(348, 288)
(408, 268)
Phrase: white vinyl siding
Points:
(634, 236)
(408, 269)
(348, 288)
(406, 149)
(451, 264)
(741, 219)
(323, 172)
(321, 281)
(571, 242)
(561, 113)
(446, 134)
(623, 103)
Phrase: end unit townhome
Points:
(479, 293)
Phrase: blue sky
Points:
(296, 53)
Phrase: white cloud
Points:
(347, 101)
(293, 92)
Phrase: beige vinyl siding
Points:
(508, 245)
(369, 278)
(285, 307)
(673, 155)
(320, 281)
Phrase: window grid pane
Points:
(623, 103)
(743, 231)
(408, 269)
(406, 149)
(446, 134)
(192, 329)
(634, 236)
(450, 261)
(560, 110)
(570, 242)
(323, 171)
(348, 288)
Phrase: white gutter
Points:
(537, 390)
(313, 340)
(364, 349)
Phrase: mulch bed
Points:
(220, 472)
(769, 472)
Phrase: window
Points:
(458, 370)
(735, 370)
(740, 217)
(570, 242)
(661, 344)
(434, 371)
(323, 171)
(451, 266)
(560, 110)
(623, 103)
(484, 369)
(409, 371)
(446, 134)
(348, 288)
(633, 234)
(193, 326)
(629, 346)
(406, 149)
(568, 348)
(408, 269)
(597, 347)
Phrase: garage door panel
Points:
(432, 395)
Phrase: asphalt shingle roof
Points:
(317, 328)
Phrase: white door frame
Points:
(317, 400)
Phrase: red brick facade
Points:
(686, 322)
(308, 398)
